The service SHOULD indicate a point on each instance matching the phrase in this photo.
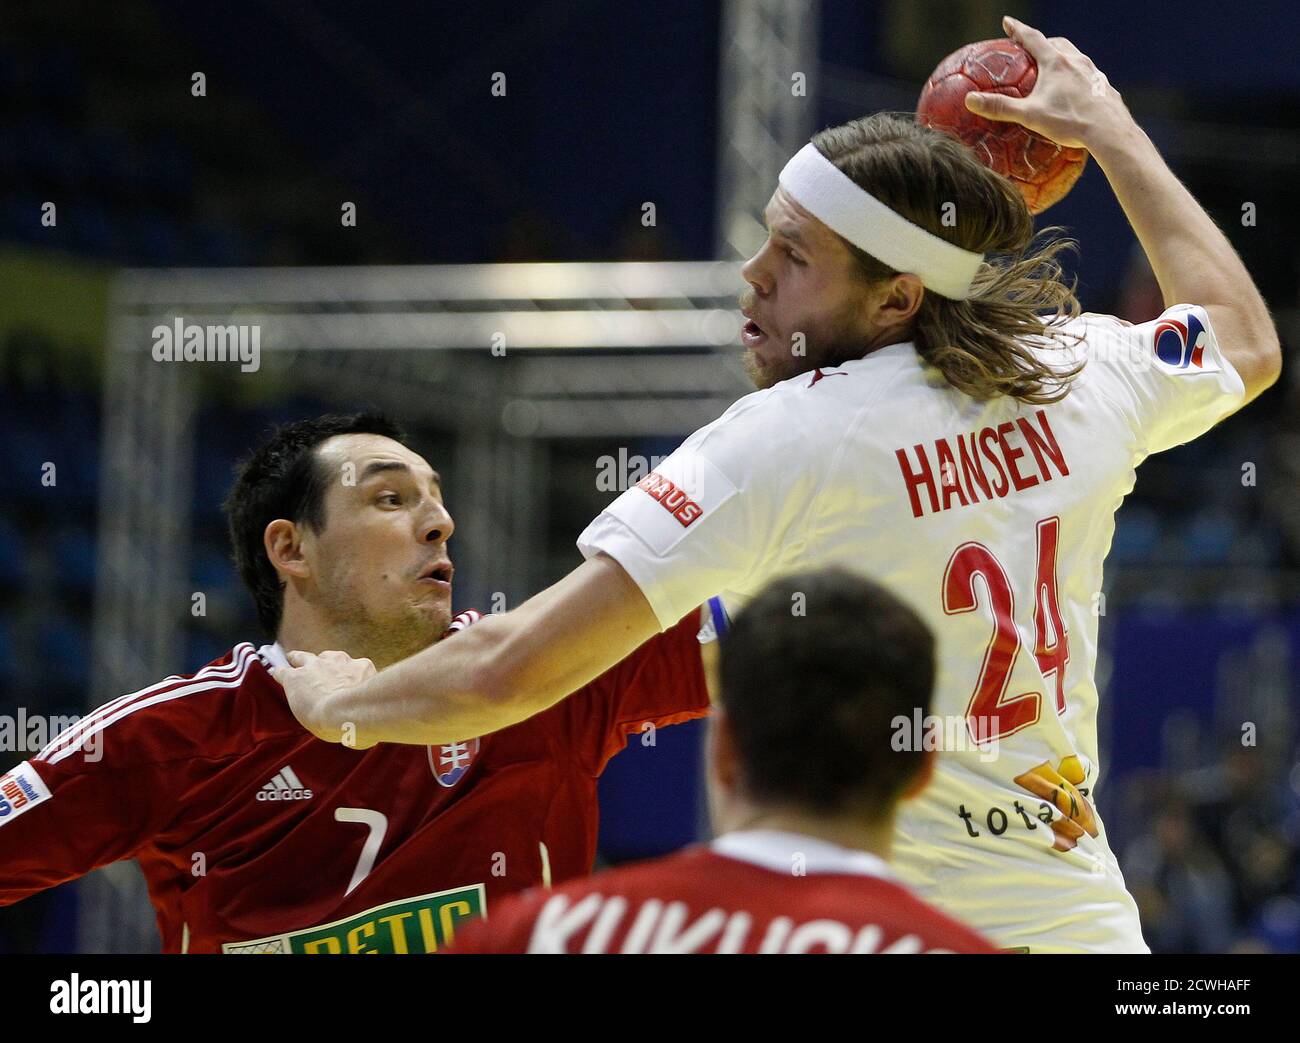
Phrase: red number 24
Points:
(992, 714)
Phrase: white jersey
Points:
(992, 521)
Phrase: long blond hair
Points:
(1019, 292)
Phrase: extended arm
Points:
(1074, 105)
(496, 673)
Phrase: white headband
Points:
(831, 196)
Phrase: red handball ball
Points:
(1042, 170)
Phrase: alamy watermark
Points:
(618, 473)
(190, 342)
(30, 733)
(945, 733)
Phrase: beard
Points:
(825, 348)
(392, 640)
(402, 631)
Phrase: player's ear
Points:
(902, 300)
(283, 542)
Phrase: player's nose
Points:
(436, 525)
(755, 272)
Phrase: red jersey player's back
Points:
(758, 891)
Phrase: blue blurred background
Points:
(609, 105)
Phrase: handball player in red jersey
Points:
(255, 836)
(805, 777)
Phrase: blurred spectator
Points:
(1183, 892)
(1240, 805)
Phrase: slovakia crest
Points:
(451, 760)
(1180, 345)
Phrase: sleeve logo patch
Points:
(20, 790)
(1180, 345)
(665, 506)
(671, 498)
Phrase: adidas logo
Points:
(285, 786)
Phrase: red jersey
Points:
(255, 836)
(760, 891)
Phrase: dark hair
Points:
(977, 343)
(813, 672)
(282, 479)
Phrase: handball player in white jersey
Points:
(933, 411)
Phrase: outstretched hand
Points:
(1072, 103)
